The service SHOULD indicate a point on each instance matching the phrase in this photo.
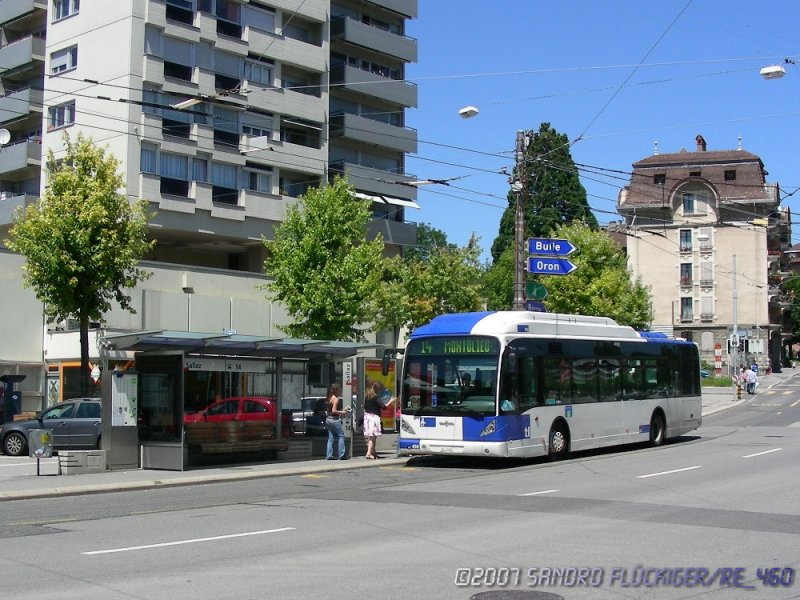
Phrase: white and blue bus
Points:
(524, 384)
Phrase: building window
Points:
(178, 58)
(659, 178)
(730, 175)
(181, 11)
(228, 18)
(686, 273)
(64, 60)
(686, 309)
(64, 8)
(260, 18)
(148, 159)
(223, 180)
(61, 115)
(257, 181)
(706, 308)
(694, 173)
(261, 73)
(174, 171)
(688, 204)
(687, 335)
(686, 240)
(200, 170)
(706, 274)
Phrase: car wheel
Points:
(15, 444)
(657, 430)
(559, 442)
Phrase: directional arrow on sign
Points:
(550, 266)
(550, 247)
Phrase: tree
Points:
(601, 285)
(554, 194)
(82, 240)
(498, 282)
(324, 270)
(416, 290)
(428, 239)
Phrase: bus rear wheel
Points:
(657, 430)
(559, 442)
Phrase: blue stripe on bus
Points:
(506, 428)
(455, 324)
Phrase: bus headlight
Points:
(490, 428)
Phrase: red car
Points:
(242, 408)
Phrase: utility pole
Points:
(520, 188)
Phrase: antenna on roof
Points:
(739, 147)
(655, 148)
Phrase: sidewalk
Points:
(27, 485)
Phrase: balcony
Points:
(12, 10)
(370, 84)
(18, 105)
(10, 203)
(375, 181)
(369, 131)
(374, 38)
(406, 8)
(393, 232)
(17, 55)
(20, 158)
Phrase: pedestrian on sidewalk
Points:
(374, 404)
(333, 423)
(752, 380)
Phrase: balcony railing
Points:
(686, 248)
(686, 317)
(686, 281)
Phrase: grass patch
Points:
(712, 381)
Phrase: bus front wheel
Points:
(559, 442)
(657, 430)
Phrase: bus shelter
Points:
(190, 394)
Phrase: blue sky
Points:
(620, 75)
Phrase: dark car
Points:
(74, 424)
(310, 417)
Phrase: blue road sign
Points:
(534, 306)
(550, 247)
(550, 266)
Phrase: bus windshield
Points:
(451, 376)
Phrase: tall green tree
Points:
(416, 290)
(324, 270)
(82, 240)
(498, 282)
(428, 240)
(602, 285)
(554, 195)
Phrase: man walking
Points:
(752, 379)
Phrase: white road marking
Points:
(194, 541)
(762, 453)
(795, 403)
(538, 493)
(669, 472)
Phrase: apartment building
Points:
(706, 233)
(222, 113)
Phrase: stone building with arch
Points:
(706, 233)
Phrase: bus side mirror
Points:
(511, 362)
(387, 357)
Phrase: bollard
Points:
(738, 391)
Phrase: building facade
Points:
(222, 113)
(706, 233)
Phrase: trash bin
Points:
(40, 443)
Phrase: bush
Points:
(712, 381)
